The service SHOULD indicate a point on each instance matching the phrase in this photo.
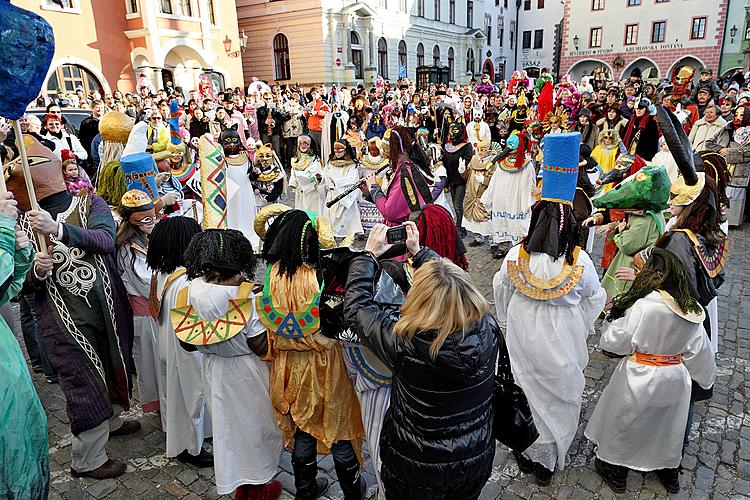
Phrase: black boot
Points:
(525, 465)
(542, 474)
(670, 478)
(352, 483)
(615, 476)
(309, 486)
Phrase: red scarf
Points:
(630, 132)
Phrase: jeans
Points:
(458, 191)
(305, 449)
(290, 149)
(32, 337)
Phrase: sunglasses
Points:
(156, 118)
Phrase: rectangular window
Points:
(165, 6)
(470, 13)
(420, 8)
(633, 3)
(211, 12)
(539, 4)
(658, 31)
(538, 39)
(132, 6)
(595, 38)
(500, 30)
(436, 6)
(488, 27)
(699, 28)
(597, 4)
(512, 35)
(452, 12)
(631, 34)
(497, 3)
(506, 4)
(526, 41)
(526, 4)
(186, 9)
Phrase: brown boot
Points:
(109, 469)
(127, 427)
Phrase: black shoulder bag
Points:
(513, 424)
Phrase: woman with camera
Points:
(436, 441)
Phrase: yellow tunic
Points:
(310, 386)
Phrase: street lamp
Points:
(228, 45)
(575, 41)
(733, 32)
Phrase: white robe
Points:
(184, 410)
(247, 439)
(136, 276)
(309, 194)
(508, 199)
(344, 215)
(241, 203)
(639, 420)
(547, 346)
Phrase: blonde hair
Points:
(442, 299)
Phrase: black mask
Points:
(230, 140)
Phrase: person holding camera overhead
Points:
(436, 440)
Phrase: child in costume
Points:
(509, 197)
(638, 421)
(547, 297)
(314, 402)
(76, 179)
(215, 314)
(478, 174)
(306, 177)
(354, 135)
(606, 151)
(643, 197)
(267, 176)
(341, 173)
(372, 161)
(182, 399)
(138, 219)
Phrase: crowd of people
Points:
(364, 327)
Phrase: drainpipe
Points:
(518, 30)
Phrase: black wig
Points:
(553, 230)
(292, 240)
(219, 254)
(168, 242)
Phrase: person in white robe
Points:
(639, 420)
(185, 414)
(341, 173)
(216, 314)
(306, 177)
(547, 297)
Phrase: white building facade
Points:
(350, 42)
(499, 24)
(539, 24)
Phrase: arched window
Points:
(71, 76)
(420, 54)
(402, 60)
(356, 55)
(451, 64)
(436, 56)
(470, 61)
(383, 58)
(281, 57)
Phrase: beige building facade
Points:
(350, 42)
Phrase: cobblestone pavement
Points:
(716, 465)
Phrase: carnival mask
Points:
(303, 144)
(647, 189)
(455, 132)
(339, 150)
(264, 155)
(230, 140)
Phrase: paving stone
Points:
(199, 486)
(101, 489)
(175, 489)
(187, 476)
(704, 479)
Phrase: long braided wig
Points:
(292, 241)
(219, 254)
(553, 230)
(168, 242)
(662, 271)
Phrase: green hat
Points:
(647, 189)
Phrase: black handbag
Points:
(513, 424)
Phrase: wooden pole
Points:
(29, 182)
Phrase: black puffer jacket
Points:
(437, 440)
